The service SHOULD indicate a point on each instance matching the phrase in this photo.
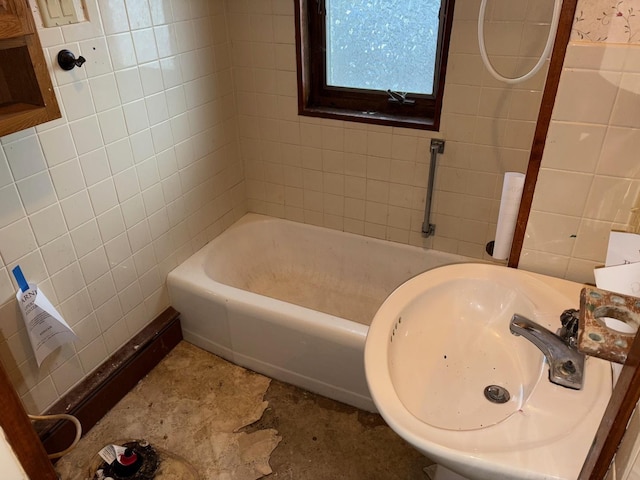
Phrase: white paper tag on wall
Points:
(46, 328)
(624, 279)
(623, 248)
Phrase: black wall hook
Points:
(67, 60)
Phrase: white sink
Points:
(443, 336)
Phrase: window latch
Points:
(400, 97)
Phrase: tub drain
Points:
(496, 394)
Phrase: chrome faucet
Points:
(566, 363)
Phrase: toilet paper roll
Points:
(512, 187)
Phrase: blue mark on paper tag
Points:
(22, 283)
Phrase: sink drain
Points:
(496, 394)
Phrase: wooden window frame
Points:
(316, 99)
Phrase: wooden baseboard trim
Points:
(90, 400)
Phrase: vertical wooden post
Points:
(20, 433)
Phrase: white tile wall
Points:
(590, 176)
(96, 207)
(371, 179)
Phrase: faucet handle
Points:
(570, 320)
(569, 316)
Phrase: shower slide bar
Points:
(437, 146)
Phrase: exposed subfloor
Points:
(225, 420)
(324, 439)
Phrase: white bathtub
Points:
(293, 301)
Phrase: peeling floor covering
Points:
(231, 423)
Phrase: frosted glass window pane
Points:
(382, 44)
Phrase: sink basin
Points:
(462, 320)
(439, 356)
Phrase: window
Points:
(374, 61)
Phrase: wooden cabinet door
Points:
(13, 21)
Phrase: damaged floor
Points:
(231, 423)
